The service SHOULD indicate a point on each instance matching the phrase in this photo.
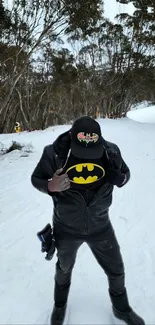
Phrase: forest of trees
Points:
(61, 59)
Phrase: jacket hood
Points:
(62, 144)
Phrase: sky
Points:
(111, 7)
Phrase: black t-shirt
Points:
(86, 176)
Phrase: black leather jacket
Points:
(71, 212)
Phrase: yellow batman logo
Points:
(85, 173)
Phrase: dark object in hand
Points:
(115, 177)
(47, 241)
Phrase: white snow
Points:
(27, 279)
(143, 114)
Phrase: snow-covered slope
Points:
(26, 279)
(143, 114)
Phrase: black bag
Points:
(47, 241)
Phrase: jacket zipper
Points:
(63, 163)
(57, 161)
(86, 210)
(86, 223)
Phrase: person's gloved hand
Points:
(59, 182)
(47, 241)
(115, 177)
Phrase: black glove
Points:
(115, 177)
(47, 241)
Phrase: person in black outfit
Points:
(79, 171)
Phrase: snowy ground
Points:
(143, 113)
(26, 279)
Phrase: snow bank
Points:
(143, 115)
(140, 105)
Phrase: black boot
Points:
(58, 315)
(129, 317)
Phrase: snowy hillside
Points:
(143, 113)
(26, 279)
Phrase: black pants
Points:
(106, 250)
